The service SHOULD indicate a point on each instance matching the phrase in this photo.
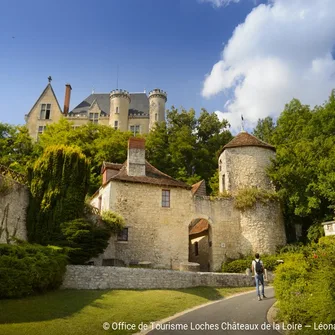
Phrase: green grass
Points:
(81, 312)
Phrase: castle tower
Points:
(243, 163)
(157, 100)
(119, 108)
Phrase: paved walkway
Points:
(228, 316)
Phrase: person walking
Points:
(257, 269)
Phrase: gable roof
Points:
(139, 104)
(197, 188)
(244, 139)
(40, 97)
(152, 176)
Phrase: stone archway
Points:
(200, 244)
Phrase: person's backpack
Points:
(259, 267)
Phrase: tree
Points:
(264, 129)
(16, 147)
(58, 184)
(97, 142)
(187, 147)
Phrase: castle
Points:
(169, 223)
(135, 112)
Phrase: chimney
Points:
(68, 89)
(136, 157)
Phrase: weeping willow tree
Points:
(58, 183)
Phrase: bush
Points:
(27, 269)
(84, 240)
(240, 265)
(247, 197)
(305, 286)
(113, 221)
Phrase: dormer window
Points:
(45, 112)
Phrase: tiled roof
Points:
(153, 176)
(111, 166)
(244, 139)
(139, 104)
(198, 226)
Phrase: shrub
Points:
(113, 221)
(314, 232)
(27, 269)
(247, 197)
(304, 285)
(84, 240)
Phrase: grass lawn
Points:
(82, 312)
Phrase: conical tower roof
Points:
(244, 139)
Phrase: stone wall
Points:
(108, 277)
(14, 199)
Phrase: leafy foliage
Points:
(58, 185)
(186, 147)
(84, 240)
(27, 269)
(304, 285)
(113, 221)
(247, 197)
(16, 147)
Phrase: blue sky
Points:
(173, 45)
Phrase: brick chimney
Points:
(68, 89)
(136, 157)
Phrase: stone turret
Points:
(119, 108)
(243, 163)
(157, 100)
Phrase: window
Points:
(135, 129)
(123, 235)
(223, 183)
(100, 203)
(117, 110)
(116, 125)
(45, 111)
(165, 198)
(156, 117)
(94, 117)
(196, 248)
(220, 165)
(41, 129)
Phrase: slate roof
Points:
(138, 107)
(153, 176)
(244, 139)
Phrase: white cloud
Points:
(282, 50)
(220, 3)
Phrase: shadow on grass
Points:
(49, 306)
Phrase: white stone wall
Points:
(108, 277)
(245, 167)
(262, 229)
(13, 206)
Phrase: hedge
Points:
(28, 269)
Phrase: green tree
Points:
(58, 185)
(16, 147)
(264, 129)
(187, 147)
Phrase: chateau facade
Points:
(169, 223)
(135, 112)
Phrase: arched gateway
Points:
(200, 243)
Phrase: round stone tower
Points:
(157, 100)
(242, 165)
(119, 109)
(243, 162)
